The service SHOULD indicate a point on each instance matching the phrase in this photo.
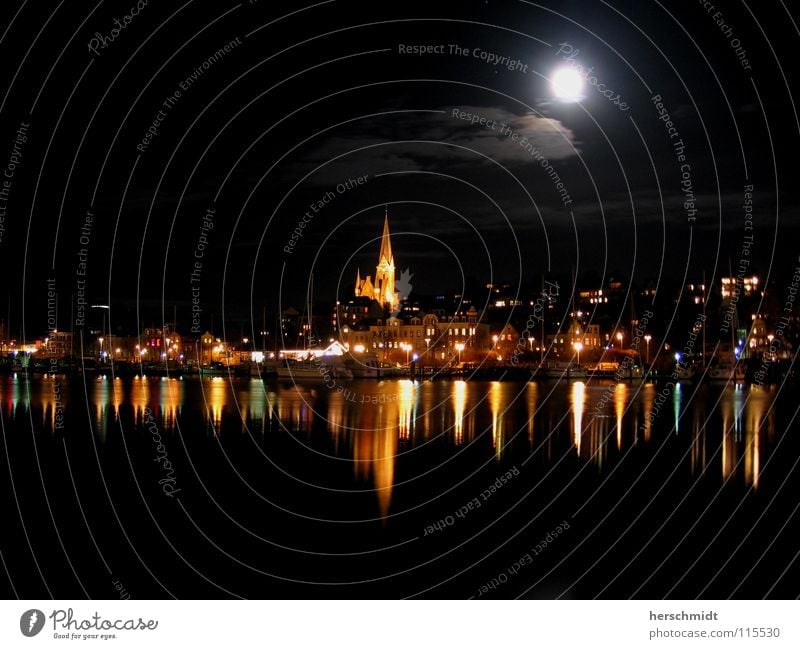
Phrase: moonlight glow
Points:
(567, 84)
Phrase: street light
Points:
(619, 337)
(647, 339)
(459, 349)
(578, 347)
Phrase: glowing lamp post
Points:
(647, 340)
(407, 348)
(578, 347)
(459, 349)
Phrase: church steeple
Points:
(382, 289)
(386, 242)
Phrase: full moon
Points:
(567, 84)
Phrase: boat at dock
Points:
(318, 369)
(364, 366)
(559, 370)
(726, 372)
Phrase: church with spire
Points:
(382, 288)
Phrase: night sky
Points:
(305, 99)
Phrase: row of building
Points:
(384, 317)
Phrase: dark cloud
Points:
(432, 140)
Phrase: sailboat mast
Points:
(309, 306)
(703, 348)
(544, 312)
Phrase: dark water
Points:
(217, 488)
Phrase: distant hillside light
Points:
(567, 84)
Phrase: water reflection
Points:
(620, 401)
(374, 457)
(215, 396)
(372, 423)
(459, 401)
(532, 394)
(578, 399)
(746, 414)
(106, 398)
(407, 403)
(648, 396)
(699, 450)
(499, 416)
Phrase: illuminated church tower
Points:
(382, 289)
